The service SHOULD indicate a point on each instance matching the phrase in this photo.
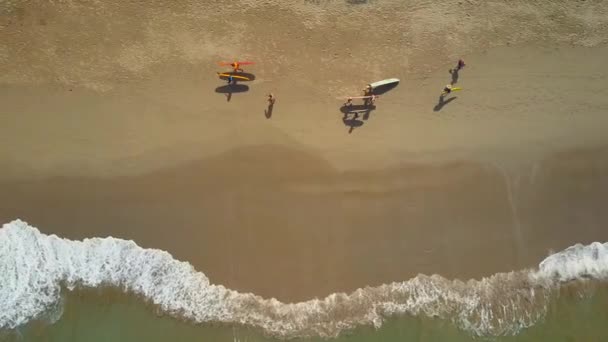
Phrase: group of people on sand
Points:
(236, 68)
(369, 98)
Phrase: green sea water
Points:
(97, 316)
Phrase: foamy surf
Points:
(35, 267)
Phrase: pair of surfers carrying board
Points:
(368, 93)
(232, 77)
(367, 100)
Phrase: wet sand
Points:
(282, 223)
(134, 141)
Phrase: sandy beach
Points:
(115, 127)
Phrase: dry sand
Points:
(110, 125)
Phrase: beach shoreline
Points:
(281, 224)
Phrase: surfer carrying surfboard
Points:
(372, 100)
(236, 67)
(349, 102)
(448, 89)
(369, 100)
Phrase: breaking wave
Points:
(35, 267)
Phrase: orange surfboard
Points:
(240, 63)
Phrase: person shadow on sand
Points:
(268, 111)
(351, 122)
(454, 72)
(351, 114)
(455, 76)
(442, 102)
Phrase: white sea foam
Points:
(34, 267)
(577, 262)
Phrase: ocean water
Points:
(54, 289)
(578, 315)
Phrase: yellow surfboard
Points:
(453, 90)
(233, 76)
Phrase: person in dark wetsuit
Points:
(460, 65)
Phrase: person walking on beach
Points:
(231, 80)
(446, 90)
(449, 89)
(460, 65)
(455, 71)
(271, 99)
(372, 100)
(367, 91)
(369, 100)
(349, 103)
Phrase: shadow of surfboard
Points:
(352, 123)
(232, 88)
(356, 109)
(442, 103)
